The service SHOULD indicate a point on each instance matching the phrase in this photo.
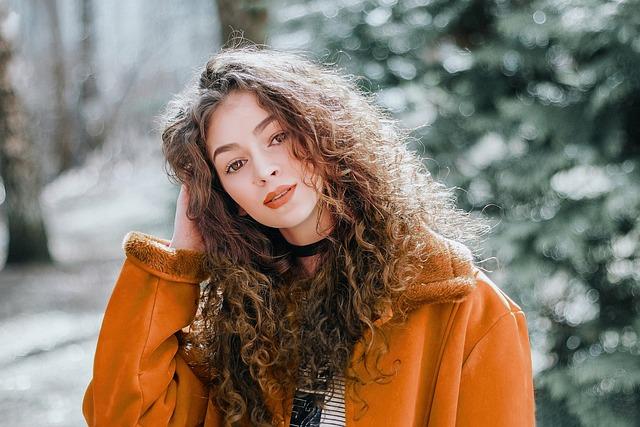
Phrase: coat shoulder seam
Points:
(446, 336)
(488, 331)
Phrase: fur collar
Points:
(448, 273)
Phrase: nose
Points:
(265, 169)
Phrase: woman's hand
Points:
(185, 231)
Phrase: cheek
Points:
(314, 179)
(305, 170)
(237, 192)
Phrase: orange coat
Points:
(464, 350)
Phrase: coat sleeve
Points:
(139, 378)
(496, 382)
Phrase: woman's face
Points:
(251, 153)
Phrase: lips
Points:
(279, 196)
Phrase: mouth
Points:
(279, 195)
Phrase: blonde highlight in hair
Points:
(262, 317)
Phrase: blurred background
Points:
(531, 109)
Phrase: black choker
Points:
(308, 250)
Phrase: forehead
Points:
(235, 117)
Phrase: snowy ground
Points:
(50, 314)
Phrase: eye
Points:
(230, 167)
(279, 138)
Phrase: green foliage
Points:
(530, 107)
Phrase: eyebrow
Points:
(234, 145)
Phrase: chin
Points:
(286, 220)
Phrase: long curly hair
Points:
(261, 318)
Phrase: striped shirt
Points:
(306, 414)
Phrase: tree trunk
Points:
(20, 173)
(90, 114)
(62, 138)
(246, 17)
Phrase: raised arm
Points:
(139, 378)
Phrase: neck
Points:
(309, 263)
(307, 233)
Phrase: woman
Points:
(334, 287)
